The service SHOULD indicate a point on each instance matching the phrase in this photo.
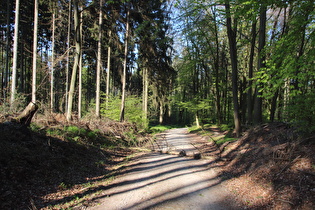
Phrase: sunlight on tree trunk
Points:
(76, 58)
(35, 51)
(15, 49)
(80, 68)
(99, 62)
(108, 69)
(52, 94)
(145, 88)
(68, 56)
(122, 110)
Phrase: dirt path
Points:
(164, 181)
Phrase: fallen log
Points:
(26, 116)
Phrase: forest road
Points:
(162, 181)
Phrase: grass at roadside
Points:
(218, 134)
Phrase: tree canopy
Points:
(237, 62)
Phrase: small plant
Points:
(63, 186)
(194, 129)
(159, 128)
(224, 140)
(225, 127)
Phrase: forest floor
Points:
(270, 167)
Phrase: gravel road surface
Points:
(162, 181)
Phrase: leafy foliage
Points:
(133, 108)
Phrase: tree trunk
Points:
(76, 58)
(15, 49)
(80, 70)
(52, 94)
(261, 63)
(250, 75)
(99, 61)
(145, 94)
(217, 82)
(5, 72)
(108, 69)
(35, 51)
(68, 56)
(161, 115)
(122, 110)
(233, 54)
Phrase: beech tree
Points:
(77, 35)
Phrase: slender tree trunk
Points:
(80, 70)
(108, 69)
(122, 110)
(233, 54)
(68, 56)
(52, 94)
(250, 75)
(161, 113)
(35, 51)
(261, 63)
(274, 106)
(76, 58)
(217, 61)
(145, 94)
(99, 57)
(15, 50)
(5, 74)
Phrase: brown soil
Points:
(271, 167)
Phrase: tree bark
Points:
(145, 79)
(108, 69)
(122, 110)
(52, 94)
(76, 58)
(80, 70)
(68, 56)
(15, 49)
(5, 72)
(233, 54)
(35, 52)
(261, 62)
(99, 57)
(250, 75)
(26, 116)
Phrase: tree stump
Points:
(26, 116)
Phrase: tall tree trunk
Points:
(68, 55)
(52, 94)
(145, 94)
(261, 62)
(233, 54)
(15, 49)
(217, 61)
(161, 114)
(99, 57)
(35, 51)
(80, 70)
(108, 69)
(5, 74)
(76, 57)
(122, 110)
(250, 75)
